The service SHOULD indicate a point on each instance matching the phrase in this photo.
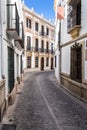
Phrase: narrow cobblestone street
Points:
(43, 105)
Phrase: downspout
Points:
(1, 43)
(60, 51)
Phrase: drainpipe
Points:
(59, 51)
(1, 43)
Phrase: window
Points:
(28, 43)
(28, 62)
(36, 61)
(51, 47)
(36, 44)
(28, 23)
(76, 62)
(74, 14)
(42, 30)
(47, 31)
(47, 61)
(42, 46)
(36, 26)
(47, 47)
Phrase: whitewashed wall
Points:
(65, 59)
(56, 45)
(85, 70)
(83, 16)
(57, 65)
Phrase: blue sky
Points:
(44, 7)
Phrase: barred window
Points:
(28, 62)
(76, 63)
(36, 61)
(74, 14)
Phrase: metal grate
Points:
(74, 14)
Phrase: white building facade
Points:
(11, 50)
(71, 55)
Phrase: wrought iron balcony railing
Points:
(29, 48)
(42, 33)
(51, 51)
(20, 39)
(74, 14)
(12, 20)
(39, 50)
(42, 50)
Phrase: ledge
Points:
(84, 81)
(74, 32)
(66, 75)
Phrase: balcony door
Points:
(51, 63)
(28, 43)
(42, 63)
(36, 45)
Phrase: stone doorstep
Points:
(8, 124)
(8, 127)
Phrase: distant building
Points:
(11, 51)
(71, 46)
(39, 41)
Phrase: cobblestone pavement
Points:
(43, 105)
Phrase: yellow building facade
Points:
(39, 41)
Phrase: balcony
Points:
(46, 51)
(36, 49)
(42, 34)
(20, 39)
(12, 21)
(41, 50)
(51, 51)
(74, 18)
(28, 48)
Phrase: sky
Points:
(44, 7)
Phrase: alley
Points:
(43, 105)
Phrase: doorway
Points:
(42, 63)
(10, 69)
(76, 63)
(51, 63)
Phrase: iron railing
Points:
(74, 14)
(12, 17)
(39, 50)
(28, 48)
(42, 33)
(22, 35)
